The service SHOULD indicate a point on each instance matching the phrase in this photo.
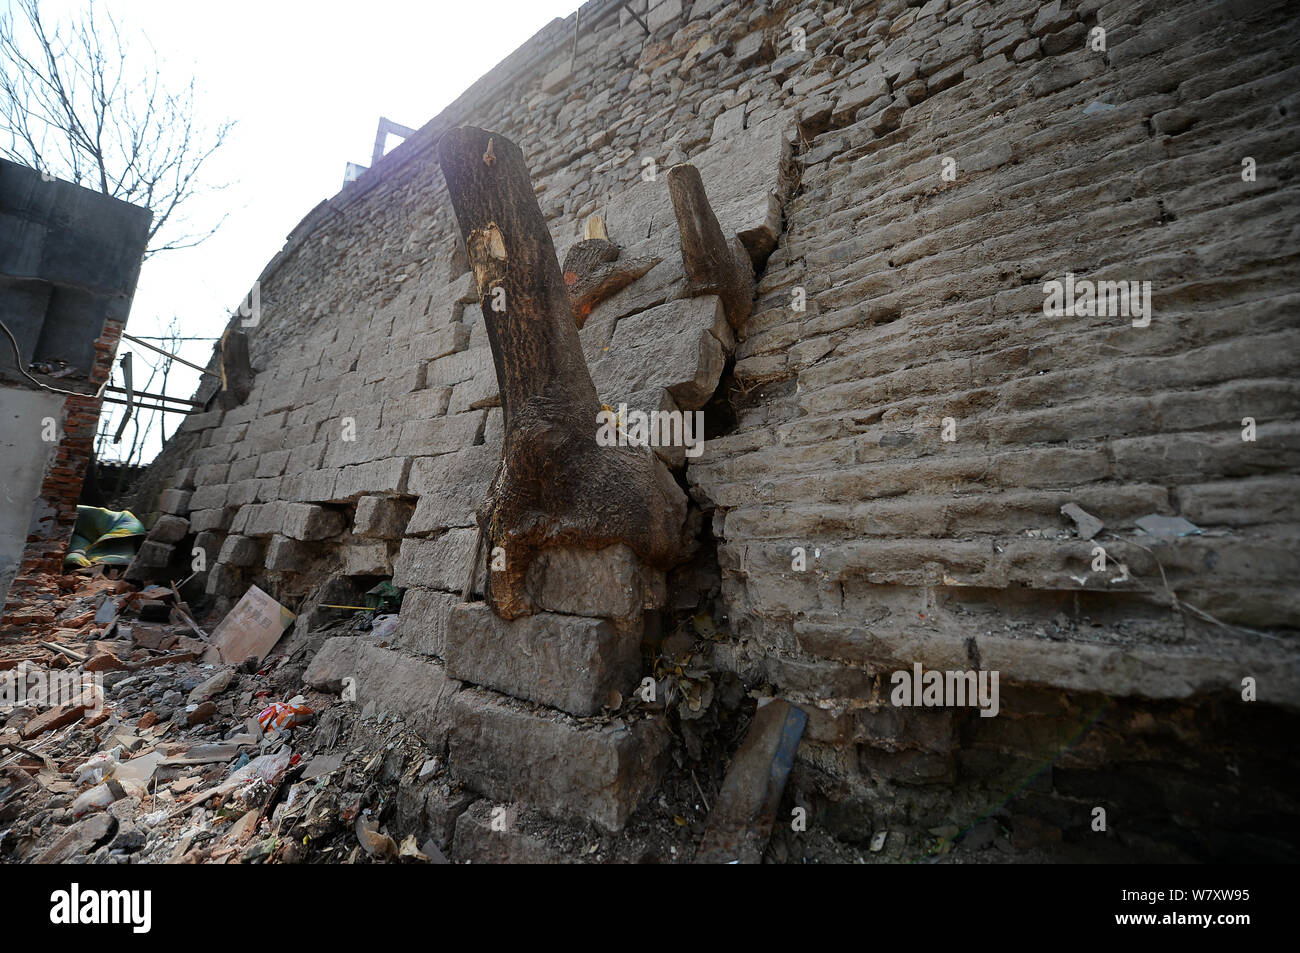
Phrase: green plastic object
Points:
(385, 596)
(110, 537)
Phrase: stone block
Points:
(752, 47)
(474, 464)
(208, 497)
(175, 501)
(240, 551)
(210, 542)
(237, 494)
(417, 405)
(558, 77)
(366, 558)
(462, 366)
(744, 175)
(422, 628)
(379, 476)
(479, 391)
(728, 123)
(306, 458)
(447, 506)
(688, 365)
(441, 563)
(563, 768)
(861, 88)
(429, 810)
(315, 487)
(441, 434)
(381, 517)
(153, 555)
(245, 469)
(169, 529)
(662, 13)
(267, 519)
(272, 464)
(308, 522)
(212, 473)
(285, 555)
(685, 315)
(477, 842)
(217, 519)
(1051, 17)
(567, 662)
(605, 583)
(416, 690)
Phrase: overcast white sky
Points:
(307, 83)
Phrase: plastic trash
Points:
(137, 772)
(98, 766)
(268, 767)
(283, 715)
(97, 798)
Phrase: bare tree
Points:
(75, 107)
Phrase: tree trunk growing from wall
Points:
(555, 485)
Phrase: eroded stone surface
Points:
(565, 661)
(417, 690)
(513, 753)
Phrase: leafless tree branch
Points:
(75, 106)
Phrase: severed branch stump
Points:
(593, 271)
(555, 485)
(236, 369)
(713, 264)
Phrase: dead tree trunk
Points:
(713, 264)
(556, 486)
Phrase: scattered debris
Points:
(285, 715)
(250, 629)
(1085, 524)
(1168, 526)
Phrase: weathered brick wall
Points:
(897, 301)
(925, 301)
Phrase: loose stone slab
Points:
(740, 823)
(422, 629)
(565, 661)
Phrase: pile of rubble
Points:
(119, 743)
(122, 741)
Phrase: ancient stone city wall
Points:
(894, 431)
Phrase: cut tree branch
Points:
(713, 264)
(593, 273)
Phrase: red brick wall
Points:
(62, 485)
